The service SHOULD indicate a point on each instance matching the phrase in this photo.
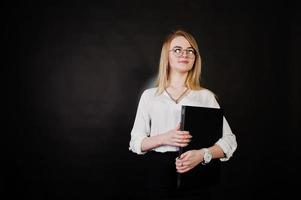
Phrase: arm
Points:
(141, 127)
(227, 143)
(223, 149)
(192, 158)
(141, 141)
(174, 137)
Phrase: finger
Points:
(183, 170)
(178, 135)
(183, 164)
(183, 134)
(184, 155)
(183, 144)
(181, 137)
(180, 165)
(181, 140)
(177, 144)
(187, 136)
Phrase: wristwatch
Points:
(207, 156)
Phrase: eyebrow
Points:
(182, 47)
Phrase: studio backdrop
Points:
(80, 68)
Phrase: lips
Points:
(184, 61)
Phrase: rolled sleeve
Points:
(141, 128)
(228, 142)
(228, 146)
(135, 144)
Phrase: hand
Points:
(188, 160)
(176, 138)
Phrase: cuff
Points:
(226, 149)
(135, 146)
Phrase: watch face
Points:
(207, 157)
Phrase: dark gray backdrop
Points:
(79, 69)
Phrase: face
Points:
(181, 55)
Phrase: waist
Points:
(168, 155)
(164, 149)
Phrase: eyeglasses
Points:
(178, 52)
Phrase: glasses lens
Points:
(178, 52)
(190, 53)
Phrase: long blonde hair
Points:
(193, 77)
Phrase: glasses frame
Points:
(193, 55)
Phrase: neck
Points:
(177, 80)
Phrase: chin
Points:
(183, 69)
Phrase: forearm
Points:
(151, 142)
(172, 137)
(189, 159)
(216, 151)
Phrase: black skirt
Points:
(162, 179)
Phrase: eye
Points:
(190, 51)
(178, 51)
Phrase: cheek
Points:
(171, 61)
(191, 63)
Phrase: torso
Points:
(165, 113)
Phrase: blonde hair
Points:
(193, 77)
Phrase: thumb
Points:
(178, 126)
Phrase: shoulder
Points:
(149, 93)
(204, 92)
(207, 97)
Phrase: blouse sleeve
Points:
(228, 141)
(141, 127)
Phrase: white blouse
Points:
(157, 114)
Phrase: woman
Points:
(156, 128)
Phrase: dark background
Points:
(78, 69)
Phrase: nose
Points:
(185, 53)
